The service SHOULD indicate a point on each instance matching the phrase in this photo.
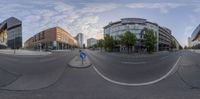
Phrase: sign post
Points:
(82, 56)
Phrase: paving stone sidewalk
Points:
(24, 52)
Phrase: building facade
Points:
(91, 42)
(11, 33)
(195, 38)
(51, 39)
(138, 26)
(80, 39)
(189, 42)
(165, 38)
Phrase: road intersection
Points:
(169, 75)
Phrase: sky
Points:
(90, 16)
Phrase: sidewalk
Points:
(67, 50)
(23, 52)
(195, 50)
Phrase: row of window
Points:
(124, 27)
(39, 36)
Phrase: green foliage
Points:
(108, 42)
(128, 39)
(100, 43)
(149, 40)
(185, 47)
(117, 42)
(173, 44)
(180, 47)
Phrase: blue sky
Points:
(89, 16)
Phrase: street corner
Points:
(76, 62)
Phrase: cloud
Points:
(163, 7)
(98, 7)
(37, 16)
(62, 7)
(196, 7)
(189, 28)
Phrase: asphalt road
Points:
(86, 83)
(33, 72)
(134, 70)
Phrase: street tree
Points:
(100, 44)
(173, 44)
(128, 39)
(108, 43)
(149, 40)
(185, 47)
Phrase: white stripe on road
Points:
(133, 62)
(138, 84)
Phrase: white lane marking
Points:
(133, 62)
(137, 84)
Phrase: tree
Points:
(180, 47)
(108, 43)
(117, 42)
(173, 44)
(185, 47)
(149, 40)
(128, 39)
(100, 43)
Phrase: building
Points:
(138, 26)
(195, 38)
(51, 39)
(178, 45)
(29, 43)
(165, 38)
(80, 39)
(11, 33)
(189, 42)
(91, 42)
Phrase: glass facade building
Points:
(195, 38)
(137, 26)
(80, 39)
(11, 33)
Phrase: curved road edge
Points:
(171, 71)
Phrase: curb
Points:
(71, 64)
(79, 66)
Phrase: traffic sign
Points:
(82, 55)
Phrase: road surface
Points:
(86, 83)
